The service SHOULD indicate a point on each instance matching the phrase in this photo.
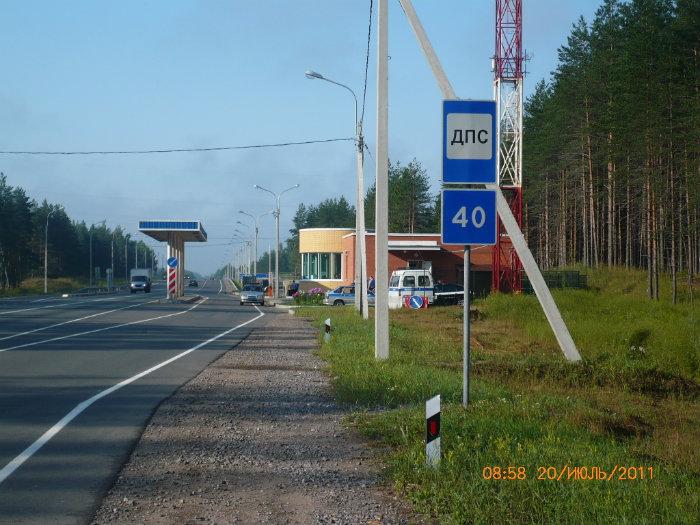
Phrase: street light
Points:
(256, 224)
(277, 227)
(46, 247)
(126, 257)
(92, 228)
(360, 251)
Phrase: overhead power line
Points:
(175, 150)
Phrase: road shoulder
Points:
(255, 438)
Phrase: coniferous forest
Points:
(611, 160)
(23, 229)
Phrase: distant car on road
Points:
(448, 293)
(193, 282)
(345, 295)
(140, 283)
(253, 293)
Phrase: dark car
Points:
(193, 282)
(448, 293)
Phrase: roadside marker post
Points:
(172, 277)
(327, 328)
(432, 431)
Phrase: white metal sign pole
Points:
(466, 353)
(381, 238)
(561, 332)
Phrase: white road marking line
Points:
(102, 329)
(44, 300)
(55, 305)
(76, 320)
(27, 453)
(221, 286)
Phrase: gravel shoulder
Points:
(255, 438)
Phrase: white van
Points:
(410, 282)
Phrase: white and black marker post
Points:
(327, 326)
(432, 431)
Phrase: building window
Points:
(336, 265)
(325, 262)
(321, 266)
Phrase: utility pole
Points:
(46, 247)
(276, 213)
(126, 257)
(360, 248)
(381, 301)
(90, 270)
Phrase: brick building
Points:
(328, 257)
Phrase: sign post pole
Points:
(466, 352)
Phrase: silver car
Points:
(253, 294)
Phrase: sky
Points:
(135, 74)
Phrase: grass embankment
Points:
(633, 401)
(35, 286)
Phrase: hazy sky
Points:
(85, 75)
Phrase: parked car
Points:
(345, 295)
(448, 293)
(409, 281)
(253, 293)
(140, 283)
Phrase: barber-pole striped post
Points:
(172, 277)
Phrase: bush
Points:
(313, 297)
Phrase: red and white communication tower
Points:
(508, 92)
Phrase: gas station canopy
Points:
(188, 231)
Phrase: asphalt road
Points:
(79, 378)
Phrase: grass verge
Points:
(632, 402)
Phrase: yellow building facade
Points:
(322, 257)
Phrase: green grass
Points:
(632, 401)
(35, 285)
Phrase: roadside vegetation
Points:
(54, 285)
(633, 401)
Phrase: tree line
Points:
(23, 227)
(611, 159)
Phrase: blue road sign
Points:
(415, 302)
(469, 216)
(172, 262)
(469, 142)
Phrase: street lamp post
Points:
(256, 225)
(126, 256)
(92, 229)
(46, 248)
(360, 247)
(275, 284)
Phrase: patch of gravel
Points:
(254, 438)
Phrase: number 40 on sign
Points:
(469, 217)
